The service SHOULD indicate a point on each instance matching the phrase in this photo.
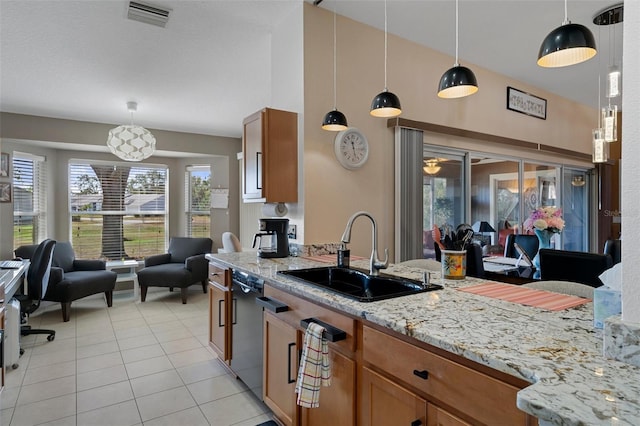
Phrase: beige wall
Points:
(62, 140)
(332, 193)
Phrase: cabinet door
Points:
(338, 401)
(440, 417)
(220, 320)
(280, 368)
(252, 156)
(384, 403)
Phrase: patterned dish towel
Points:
(314, 367)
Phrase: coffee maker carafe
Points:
(273, 238)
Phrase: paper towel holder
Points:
(274, 209)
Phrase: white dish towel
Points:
(315, 369)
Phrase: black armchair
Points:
(575, 266)
(72, 279)
(614, 249)
(184, 264)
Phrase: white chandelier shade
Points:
(131, 143)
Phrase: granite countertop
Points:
(560, 353)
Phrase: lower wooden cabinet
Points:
(280, 368)
(439, 417)
(378, 378)
(338, 401)
(384, 403)
(220, 314)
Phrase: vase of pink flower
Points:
(544, 222)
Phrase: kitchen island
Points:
(559, 353)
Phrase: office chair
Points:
(37, 280)
(614, 249)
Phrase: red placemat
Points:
(526, 296)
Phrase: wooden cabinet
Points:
(454, 390)
(337, 402)
(220, 311)
(280, 368)
(270, 157)
(283, 338)
(384, 402)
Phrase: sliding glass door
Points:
(443, 194)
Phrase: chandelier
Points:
(431, 167)
(130, 142)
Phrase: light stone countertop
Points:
(560, 353)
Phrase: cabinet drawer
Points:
(218, 275)
(300, 309)
(479, 396)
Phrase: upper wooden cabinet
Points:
(270, 157)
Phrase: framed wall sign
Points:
(5, 192)
(4, 164)
(526, 103)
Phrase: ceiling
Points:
(84, 60)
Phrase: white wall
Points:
(630, 170)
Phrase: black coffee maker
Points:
(273, 238)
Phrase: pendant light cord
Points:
(566, 14)
(456, 64)
(385, 45)
(335, 101)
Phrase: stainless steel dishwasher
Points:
(246, 340)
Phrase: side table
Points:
(126, 270)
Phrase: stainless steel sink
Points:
(357, 284)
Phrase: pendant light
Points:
(611, 16)
(385, 104)
(600, 146)
(458, 81)
(568, 44)
(334, 120)
(130, 142)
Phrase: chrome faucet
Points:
(374, 263)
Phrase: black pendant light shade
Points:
(568, 44)
(457, 82)
(385, 104)
(334, 121)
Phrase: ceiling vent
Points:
(148, 14)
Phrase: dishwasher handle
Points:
(272, 305)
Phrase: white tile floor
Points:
(132, 364)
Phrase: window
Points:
(117, 211)
(198, 201)
(29, 199)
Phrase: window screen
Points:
(29, 199)
(117, 210)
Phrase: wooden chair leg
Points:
(183, 293)
(143, 293)
(109, 296)
(66, 311)
(204, 286)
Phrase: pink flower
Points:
(545, 218)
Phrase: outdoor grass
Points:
(143, 236)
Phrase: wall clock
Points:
(351, 148)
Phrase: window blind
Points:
(29, 199)
(117, 210)
(198, 201)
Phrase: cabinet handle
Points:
(272, 304)
(220, 302)
(291, 345)
(416, 423)
(259, 170)
(234, 320)
(331, 333)
(424, 374)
